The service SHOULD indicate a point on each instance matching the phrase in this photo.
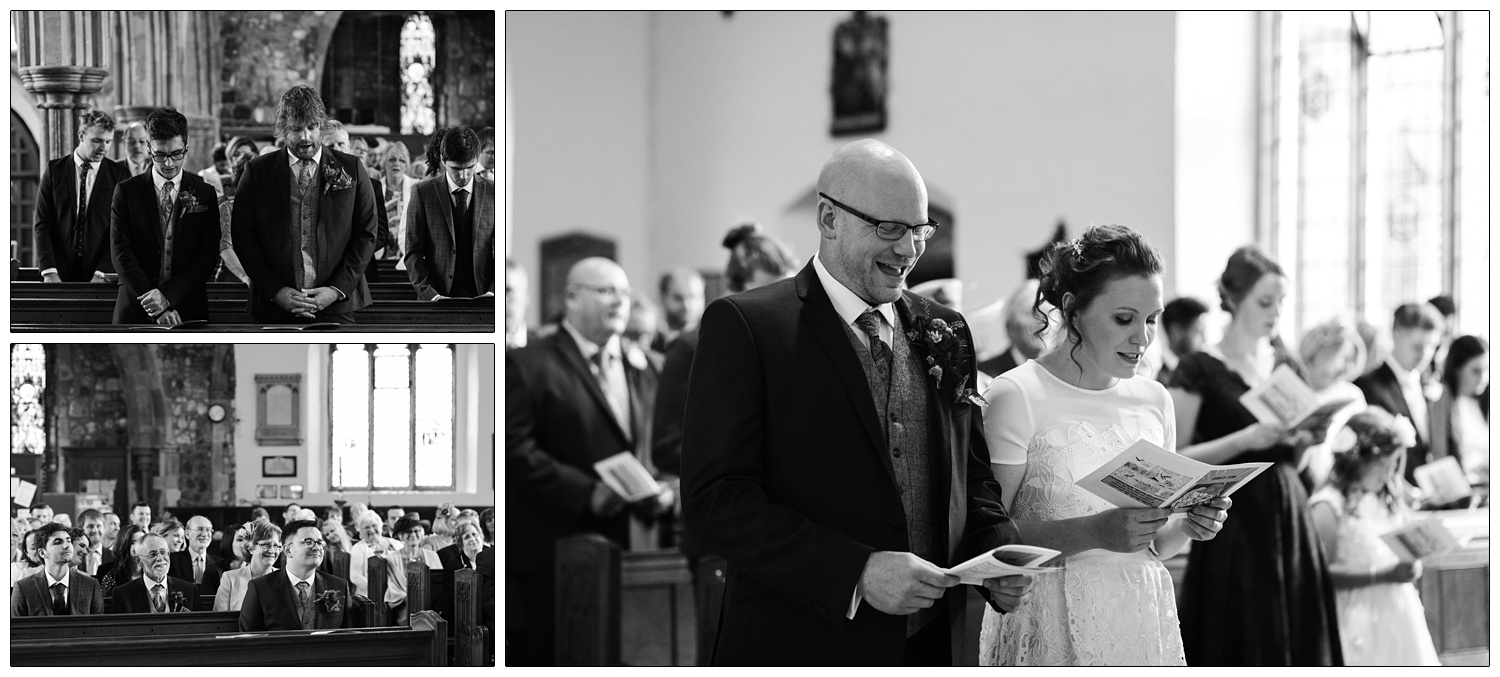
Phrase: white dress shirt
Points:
(53, 581)
(1410, 381)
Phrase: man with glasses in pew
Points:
(196, 563)
(154, 592)
(299, 597)
(58, 589)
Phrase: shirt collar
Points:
(158, 180)
(78, 161)
(453, 186)
(152, 583)
(588, 348)
(846, 303)
(295, 580)
(53, 581)
(292, 159)
(1403, 375)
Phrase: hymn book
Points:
(1286, 400)
(1148, 476)
(311, 326)
(624, 474)
(1417, 540)
(1442, 481)
(185, 324)
(1006, 560)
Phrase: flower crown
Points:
(1376, 439)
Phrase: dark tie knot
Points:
(460, 193)
(87, 166)
(600, 360)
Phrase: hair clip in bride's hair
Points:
(1077, 245)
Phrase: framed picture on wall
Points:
(278, 409)
(278, 466)
(265, 491)
(291, 491)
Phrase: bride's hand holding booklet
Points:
(1148, 476)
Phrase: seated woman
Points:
(264, 541)
(410, 531)
(1461, 416)
(373, 544)
(125, 567)
(338, 539)
(171, 530)
(26, 560)
(443, 527)
(232, 547)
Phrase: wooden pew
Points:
(245, 328)
(205, 603)
(123, 625)
(381, 291)
(457, 595)
(615, 607)
(382, 647)
(45, 310)
(387, 272)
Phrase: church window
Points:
(418, 52)
(391, 409)
(28, 380)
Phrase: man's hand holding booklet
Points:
(1006, 560)
(1148, 476)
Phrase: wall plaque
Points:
(278, 409)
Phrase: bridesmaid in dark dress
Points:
(1259, 593)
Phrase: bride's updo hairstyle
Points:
(1084, 267)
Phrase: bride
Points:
(1052, 421)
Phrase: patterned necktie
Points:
(59, 599)
(460, 205)
(198, 569)
(306, 272)
(83, 208)
(158, 599)
(879, 351)
(304, 604)
(164, 207)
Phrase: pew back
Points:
(382, 647)
(123, 625)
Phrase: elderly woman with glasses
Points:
(264, 540)
(373, 544)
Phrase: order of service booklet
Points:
(1286, 400)
(624, 473)
(1442, 481)
(1415, 540)
(1148, 476)
(1006, 560)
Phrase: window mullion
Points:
(370, 447)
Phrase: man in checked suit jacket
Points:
(572, 398)
(155, 287)
(305, 255)
(837, 508)
(72, 242)
(33, 596)
(450, 226)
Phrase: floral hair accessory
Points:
(1077, 245)
(1344, 441)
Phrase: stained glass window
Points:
(418, 52)
(392, 409)
(28, 380)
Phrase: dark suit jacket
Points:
(271, 603)
(430, 247)
(1382, 390)
(787, 476)
(383, 237)
(999, 364)
(136, 243)
(262, 233)
(213, 570)
(557, 424)
(133, 598)
(30, 596)
(57, 211)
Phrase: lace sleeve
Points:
(1189, 374)
(1007, 422)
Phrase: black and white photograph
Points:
(866, 293)
(153, 538)
(253, 171)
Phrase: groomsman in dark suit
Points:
(196, 563)
(304, 222)
(337, 138)
(154, 592)
(72, 206)
(1396, 384)
(823, 461)
(571, 398)
(164, 233)
(299, 597)
(450, 226)
(58, 589)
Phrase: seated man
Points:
(450, 226)
(154, 592)
(301, 598)
(58, 589)
(164, 233)
(196, 563)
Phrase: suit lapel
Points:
(102, 185)
(75, 594)
(638, 408)
(281, 196)
(69, 185)
(153, 207)
(44, 598)
(940, 416)
(568, 349)
(828, 328)
(484, 222)
(445, 207)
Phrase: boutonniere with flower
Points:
(179, 601)
(188, 204)
(636, 357)
(944, 352)
(1406, 435)
(331, 601)
(335, 178)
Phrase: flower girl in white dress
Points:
(1381, 620)
(1054, 420)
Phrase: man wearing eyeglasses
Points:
(826, 460)
(300, 597)
(572, 398)
(164, 233)
(72, 206)
(196, 563)
(154, 592)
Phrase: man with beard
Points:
(196, 563)
(137, 148)
(681, 303)
(304, 222)
(72, 206)
(154, 592)
(58, 589)
(301, 597)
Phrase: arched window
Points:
(25, 175)
(28, 380)
(418, 52)
(391, 409)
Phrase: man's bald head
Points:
(879, 182)
(598, 302)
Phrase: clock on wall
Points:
(216, 413)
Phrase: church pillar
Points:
(150, 428)
(61, 57)
(168, 58)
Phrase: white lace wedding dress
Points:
(1104, 608)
